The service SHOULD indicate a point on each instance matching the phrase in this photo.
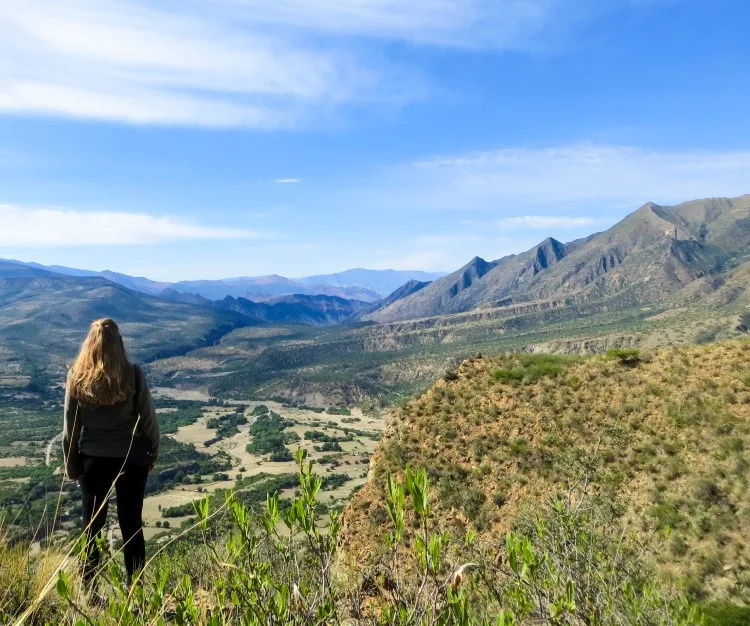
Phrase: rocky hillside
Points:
(666, 434)
(315, 310)
(44, 317)
(652, 253)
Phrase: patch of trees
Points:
(317, 435)
(333, 481)
(177, 459)
(170, 421)
(334, 410)
(251, 491)
(227, 425)
(268, 436)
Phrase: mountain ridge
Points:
(44, 316)
(312, 310)
(651, 253)
(355, 284)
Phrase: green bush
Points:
(626, 356)
(275, 567)
(573, 382)
(332, 410)
(508, 375)
(725, 614)
(450, 376)
(518, 446)
(329, 446)
(666, 515)
(281, 456)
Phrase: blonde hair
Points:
(102, 373)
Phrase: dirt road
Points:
(56, 438)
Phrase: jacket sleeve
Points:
(71, 433)
(147, 413)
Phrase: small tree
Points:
(627, 356)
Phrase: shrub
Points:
(541, 370)
(499, 498)
(626, 356)
(330, 446)
(709, 493)
(508, 375)
(666, 515)
(332, 410)
(239, 566)
(573, 382)
(450, 375)
(726, 614)
(678, 546)
(518, 446)
(281, 456)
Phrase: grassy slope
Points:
(671, 437)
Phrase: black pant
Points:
(99, 473)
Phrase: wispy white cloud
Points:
(545, 221)
(583, 173)
(250, 63)
(287, 181)
(508, 24)
(29, 227)
(170, 63)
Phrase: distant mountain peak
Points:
(405, 290)
(549, 252)
(479, 265)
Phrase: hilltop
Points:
(666, 434)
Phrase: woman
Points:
(110, 438)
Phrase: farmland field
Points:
(208, 446)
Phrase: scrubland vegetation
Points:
(662, 439)
(277, 564)
(523, 489)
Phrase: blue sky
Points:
(193, 139)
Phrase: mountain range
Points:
(654, 253)
(663, 275)
(355, 284)
(44, 316)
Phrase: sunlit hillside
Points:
(665, 434)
